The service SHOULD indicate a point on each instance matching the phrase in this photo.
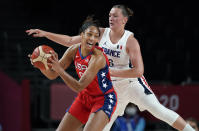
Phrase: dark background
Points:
(166, 30)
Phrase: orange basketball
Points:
(40, 57)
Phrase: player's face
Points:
(116, 18)
(90, 37)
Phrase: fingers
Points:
(31, 31)
(54, 55)
(51, 60)
(29, 55)
(35, 35)
(35, 32)
(50, 64)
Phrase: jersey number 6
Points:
(111, 64)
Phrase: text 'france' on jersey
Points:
(116, 53)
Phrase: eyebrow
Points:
(94, 33)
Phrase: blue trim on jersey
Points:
(104, 83)
(80, 53)
(110, 101)
(68, 108)
(146, 90)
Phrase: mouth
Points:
(89, 44)
(110, 23)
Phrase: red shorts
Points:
(85, 104)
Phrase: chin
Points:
(112, 27)
(89, 47)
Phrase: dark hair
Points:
(89, 22)
(127, 12)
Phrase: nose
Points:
(110, 18)
(92, 38)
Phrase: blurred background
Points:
(168, 34)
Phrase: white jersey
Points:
(117, 55)
(134, 90)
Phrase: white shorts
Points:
(138, 92)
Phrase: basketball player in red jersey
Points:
(97, 99)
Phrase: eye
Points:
(89, 34)
(96, 36)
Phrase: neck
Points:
(117, 32)
(84, 51)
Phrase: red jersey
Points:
(101, 84)
(98, 95)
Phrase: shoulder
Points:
(132, 44)
(71, 51)
(102, 30)
(132, 41)
(130, 32)
(73, 48)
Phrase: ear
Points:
(125, 20)
(82, 34)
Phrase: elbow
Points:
(76, 87)
(51, 77)
(80, 88)
(69, 42)
(140, 72)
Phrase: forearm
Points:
(50, 74)
(64, 40)
(127, 73)
(69, 80)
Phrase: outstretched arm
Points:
(133, 50)
(64, 40)
(96, 63)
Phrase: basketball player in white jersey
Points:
(121, 46)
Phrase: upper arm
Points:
(68, 57)
(133, 50)
(96, 63)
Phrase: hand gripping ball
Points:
(40, 57)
